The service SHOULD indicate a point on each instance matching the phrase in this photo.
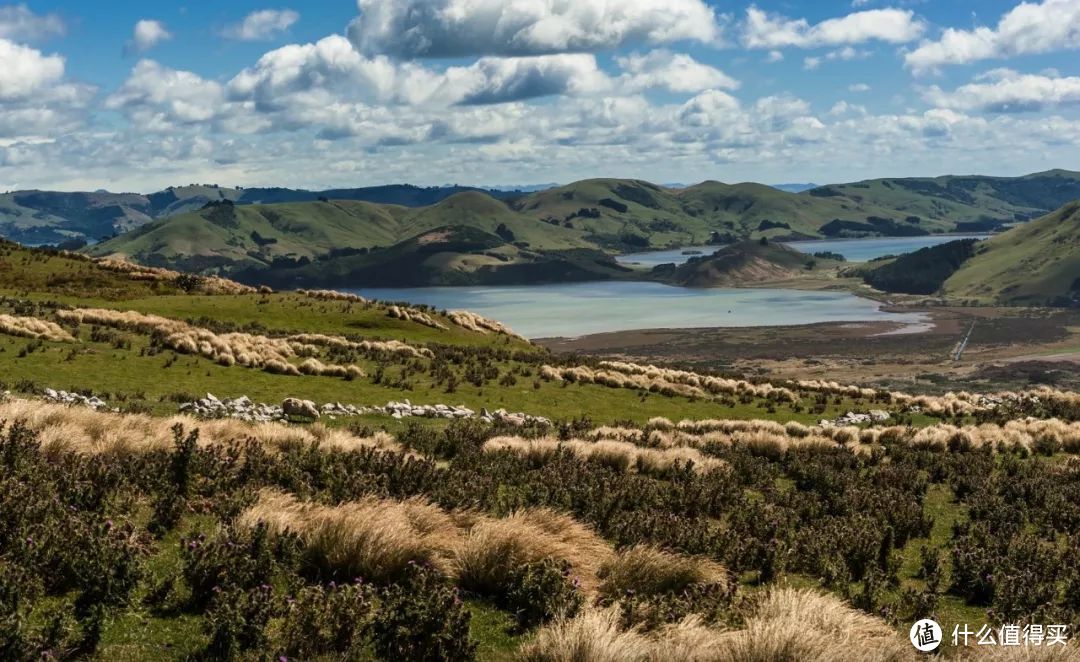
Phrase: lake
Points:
(853, 250)
(576, 309)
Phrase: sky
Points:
(136, 96)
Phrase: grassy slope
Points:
(747, 263)
(135, 374)
(959, 198)
(1031, 263)
(611, 214)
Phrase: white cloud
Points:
(845, 53)
(458, 28)
(1007, 91)
(158, 98)
(774, 56)
(677, 72)
(147, 34)
(1051, 25)
(765, 30)
(24, 70)
(262, 25)
(18, 22)
(858, 87)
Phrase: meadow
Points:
(664, 513)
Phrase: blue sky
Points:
(137, 96)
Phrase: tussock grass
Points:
(593, 635)
(618, 455)
(227, 349)
(368, 346)
(375, 538)
(648, 570)
(495, 547)
(84, 430)
(414, 315)
(32, 327)
(473, 322)
(332, 295)
(371, 538)
(787, 624)
(204, 284)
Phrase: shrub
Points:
(323, 621)
(237, 622)
(422, 619)
(539, 592)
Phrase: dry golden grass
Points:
(32, 327)
(647, 570)
(593, 635)
(414, 315)
(787, 625)
(494, 547)
(618, 455)
(228, 349)
(478, 323)
(381, 346)
(205, 284)
(374, 538)
(84, 430)
(371, 538)
(332, 295)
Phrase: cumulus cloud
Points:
(762, 29)
(25, 70)
(677, 72)
(262, 25)
(35, 98)
(156, 97)
(858, 87)
(147, 34)
(19, 23)
(460, 28)
(845, 53)
(1051, 25)
(1008, 91)
(333, 67)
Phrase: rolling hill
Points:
(608, 215)
(742, 264)
(54, 217)
(1035, 263)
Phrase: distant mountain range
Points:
(565, 233)
(40, 217)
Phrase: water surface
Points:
(853, 250)
(577, 309)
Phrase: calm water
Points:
(577, 309)
(854, 250)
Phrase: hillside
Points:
(194, 469)
(1035, 263)
(613, 214)
(743, 264)
(54, 217)
(972, 203)
(448, 255)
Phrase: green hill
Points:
(448, 255)
(970, 203)
(1038, 262)
(742, 264)
(575, 221)
(56, 217)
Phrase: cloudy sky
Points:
(137, 96)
